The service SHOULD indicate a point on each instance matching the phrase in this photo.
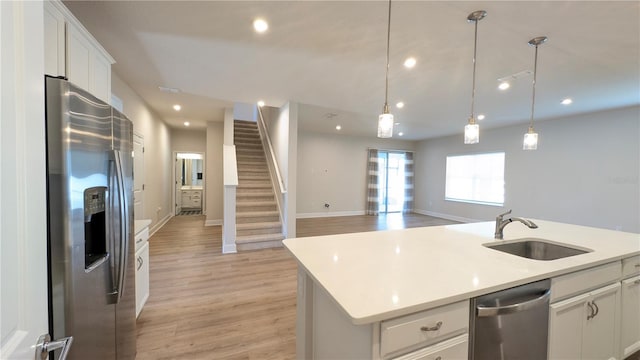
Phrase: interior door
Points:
(23, 234)
(138, 176)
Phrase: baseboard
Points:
(229, 249)
(445, 216)
(215, 222)
(160, 224)
(328, 214)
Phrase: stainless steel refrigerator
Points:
(90, 224)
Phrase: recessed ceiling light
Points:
(400, 105)
(260, 25)
(186, 123)
(566, 101)
(261, 103)
(504, 85)
(481, 117)
(400, 133)
(338, 127)
(177, 107)
(410, 62)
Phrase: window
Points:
(476, 178)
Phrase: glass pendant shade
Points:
(530, 140)
(471, 133)
(385, 125)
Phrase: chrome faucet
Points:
(500, 224)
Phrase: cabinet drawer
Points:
(456, 348)
(584, 280)
(141, 238)
(423, 328)
(631, 266)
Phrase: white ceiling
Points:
(330, 56)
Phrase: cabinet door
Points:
(565, 327)
(78, 57)
(54, 41)
(142, 277)
(453, 349)
(600, 339)
(100, 80)
(630, 316)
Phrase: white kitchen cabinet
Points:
(452, 349)
(71, 51)
(424, 328)
(630, 333)
(586, 326)
(142, 268)
(54, 41)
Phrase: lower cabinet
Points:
(440, 333)
(142, 277)
(456, 348)
(631, 316)
(586, 326)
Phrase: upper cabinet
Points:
(71, 51)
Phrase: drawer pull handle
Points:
(433, 328)
(439, 358)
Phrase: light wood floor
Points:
(205, 305)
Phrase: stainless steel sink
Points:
(537, 249)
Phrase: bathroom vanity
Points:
(406, 294)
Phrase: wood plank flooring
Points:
(205, 305)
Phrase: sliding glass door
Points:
(391, 181)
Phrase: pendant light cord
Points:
(533, 99)
(386, 83)
(473, 86)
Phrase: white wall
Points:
(332, 169)
(188, 140)
(158, 164)
(282, 126)
(586, 171)
(213, 177)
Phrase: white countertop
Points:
(139, 225)
(379, 275)
(187, 187)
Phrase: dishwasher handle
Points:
(485, 311)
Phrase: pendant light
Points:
(531, 137)
(385, 120)
(472, 130)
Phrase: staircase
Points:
(258, 224)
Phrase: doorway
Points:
(189, 176)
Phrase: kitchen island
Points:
(351, 286)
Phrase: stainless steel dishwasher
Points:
(511, 323)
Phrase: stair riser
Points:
(259, 245)
(240, 208)
(258, 232)
(246, 220)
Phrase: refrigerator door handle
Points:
(122, 209)
(116, 189)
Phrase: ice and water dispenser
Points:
(95, 226)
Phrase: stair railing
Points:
(272, 162)
(264, 135)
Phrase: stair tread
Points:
(257, 213)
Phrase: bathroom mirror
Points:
(191, 172)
